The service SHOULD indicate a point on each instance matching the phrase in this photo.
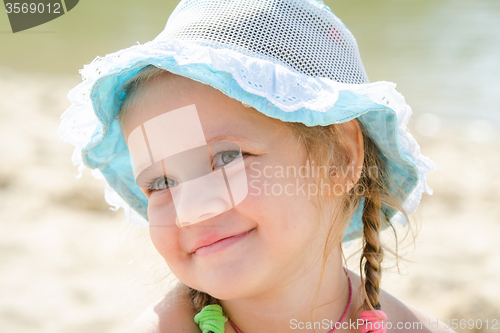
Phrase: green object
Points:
(210, 319)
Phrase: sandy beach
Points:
(70, 264)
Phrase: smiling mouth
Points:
(221, 244)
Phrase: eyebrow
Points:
(235, 138)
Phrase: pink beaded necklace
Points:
(339, 321)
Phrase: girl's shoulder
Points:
(401, 316)
(172, 313)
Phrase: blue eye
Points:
(220, 159)
(225, 157)
(162, 184)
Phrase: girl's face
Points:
(272, 236)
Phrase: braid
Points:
(372, 254)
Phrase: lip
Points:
(209, 245)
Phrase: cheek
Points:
(279, 204)
(163, 231)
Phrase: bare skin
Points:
(173, 313)
(272, 276)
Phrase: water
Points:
(444, 54)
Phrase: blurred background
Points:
(70, 264)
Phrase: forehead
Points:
(219, 115)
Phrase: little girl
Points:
(249, 139)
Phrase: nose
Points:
(201, 198)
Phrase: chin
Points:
(229, 291)
(229, 284)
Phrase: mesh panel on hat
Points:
(299, 34)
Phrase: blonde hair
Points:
(322, 145)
